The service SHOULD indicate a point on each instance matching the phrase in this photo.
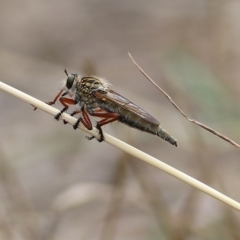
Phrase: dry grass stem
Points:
(125, 147)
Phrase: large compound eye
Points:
(70, 81)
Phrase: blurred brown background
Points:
(54, 184)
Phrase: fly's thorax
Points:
(85, 99)
(86, 86)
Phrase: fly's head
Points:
(70, 83)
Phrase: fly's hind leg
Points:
(100, 132)
(107, 118)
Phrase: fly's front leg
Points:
(53, 101)
(107, 118)
(56, 98)
(65, 102)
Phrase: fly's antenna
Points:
(65, 70)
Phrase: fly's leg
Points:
(53, 101)
(107, 118)
(111, 117)
(85, 120)
(56, 98)
(60, 113)
(65, 102)
(72, 114)
(100, 132)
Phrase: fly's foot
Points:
(60, 113)
(89, 138)
(58, 116)
(100, 138)
(72, 114)
(75, 126)
(50, 103)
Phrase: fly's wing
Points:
(116, 98)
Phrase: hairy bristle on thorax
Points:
(105, 83)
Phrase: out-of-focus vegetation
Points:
(54, 184)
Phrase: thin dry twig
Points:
(180, 110)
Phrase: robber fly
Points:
(95, 98)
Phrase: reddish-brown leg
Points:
(107, 118)
(85, 120)
(65, 102)
(54, 100)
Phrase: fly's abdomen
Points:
(143, 125)
(166, 136)
(131, 119)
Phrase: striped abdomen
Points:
(133, 120)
